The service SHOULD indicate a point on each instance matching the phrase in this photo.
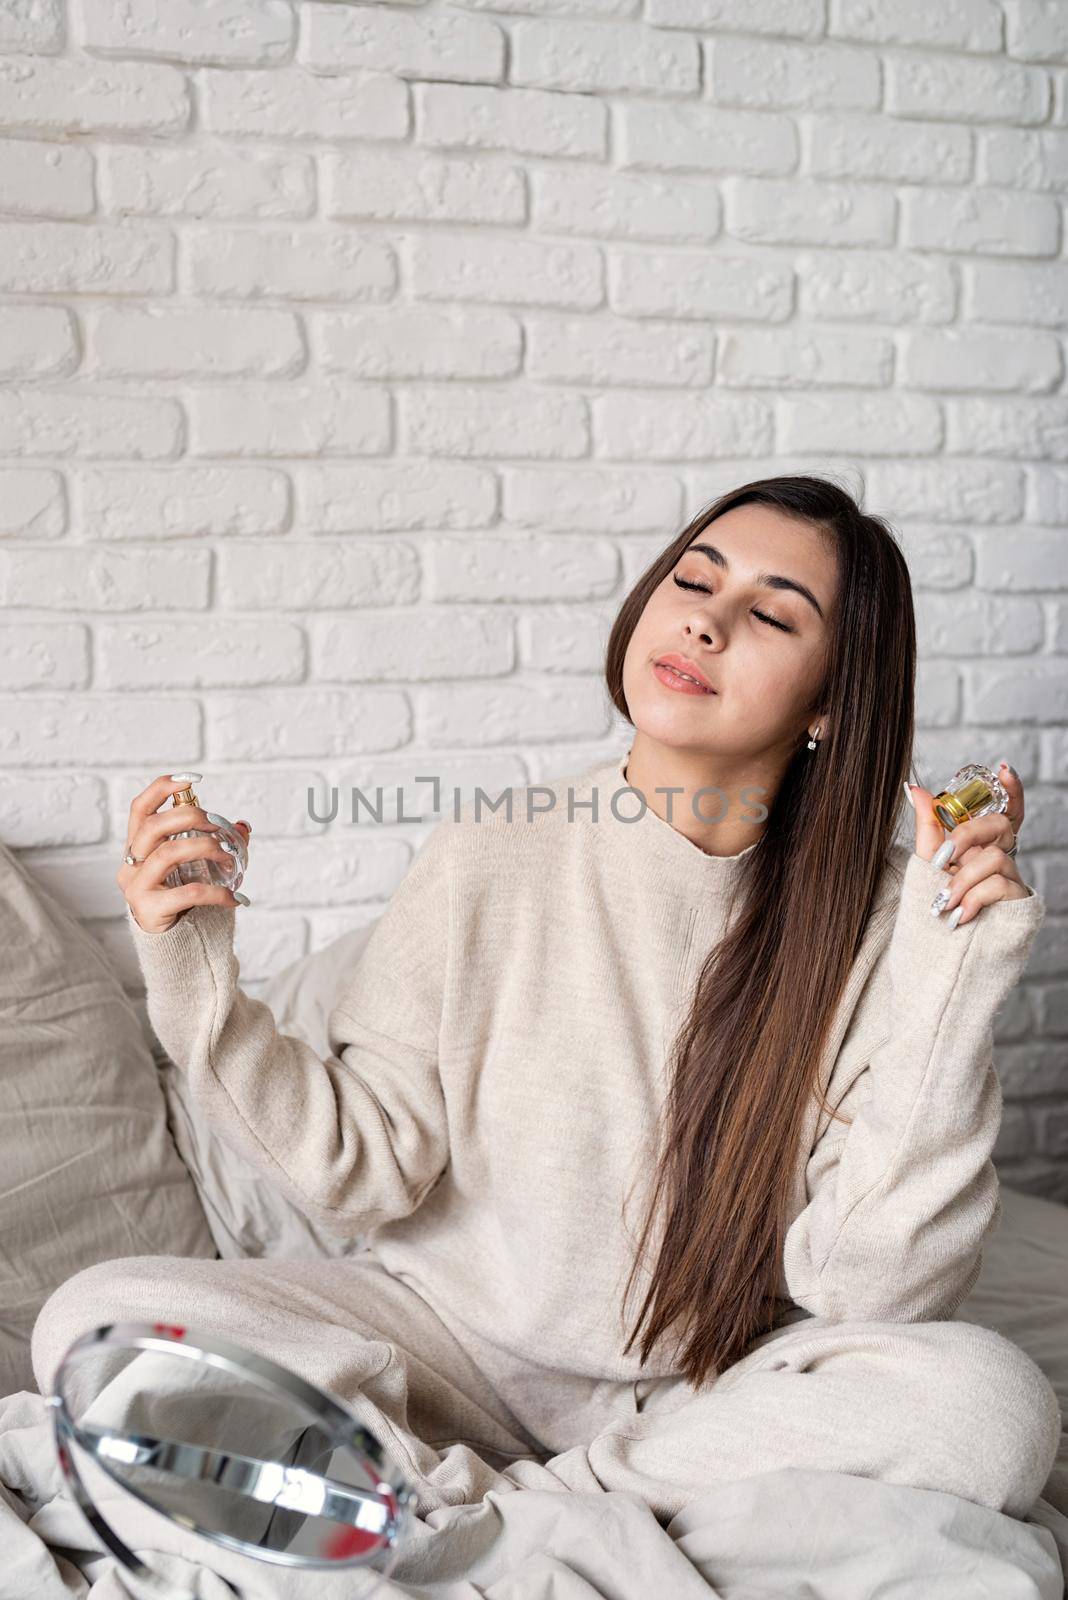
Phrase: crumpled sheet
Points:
(784, 1535)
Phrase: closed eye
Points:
(774, 621)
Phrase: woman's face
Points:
(765, 678)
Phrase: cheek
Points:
(649, 632)
(650, 624)
(764, 693)
(635, 673)
(778, 695)
(630, 662)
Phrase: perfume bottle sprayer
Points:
(226, 835)
(973, 791)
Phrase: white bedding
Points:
(787, 1535)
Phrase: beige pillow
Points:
(88, 1169)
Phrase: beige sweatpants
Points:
(935, 1405)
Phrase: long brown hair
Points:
(745, 1061)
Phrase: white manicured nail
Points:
(908, 796)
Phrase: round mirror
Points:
(229, 1445)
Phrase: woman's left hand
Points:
(981, 869)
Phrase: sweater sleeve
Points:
(355, 1139)
(901, 1200)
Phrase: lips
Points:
(685, 665)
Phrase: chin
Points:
(676, 729)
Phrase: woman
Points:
(727, 1023)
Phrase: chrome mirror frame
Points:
(334, 1418)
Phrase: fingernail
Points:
(220, 822)
(943, 854)
(940, 901)
(242, 899)
(1013, 770)
(954, 916)
(908, 796)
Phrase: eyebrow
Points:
(769, 580)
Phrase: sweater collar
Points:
(652, 837)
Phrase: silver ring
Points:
(132, 860)
(1014, 849)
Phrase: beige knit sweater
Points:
(498, 1065)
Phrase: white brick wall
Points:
(355, 359)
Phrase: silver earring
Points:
(813, 738)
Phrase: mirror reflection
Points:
(231, 1446)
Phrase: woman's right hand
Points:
(149, 831)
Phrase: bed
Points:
(102, 1157)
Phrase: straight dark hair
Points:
(746, 1059)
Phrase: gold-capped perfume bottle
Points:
(229, 837)
(973, 791)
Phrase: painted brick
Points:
(45, 180)
(395, 494)
(37, 342)
(417, 342)
(51, 257)
(88, 424)
(324, 419)
(198, 32)
(290, 103)
(255, 263)
(517, 271)
(33, 503)
(212, 182)
(180, 502)
(81, 96)
(33, 25)
(527, 121)
(402, 186)
(163, 343)
(602, 57)
(421, 45)
(290, 575)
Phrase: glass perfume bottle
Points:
(227, 835)
(973, 791)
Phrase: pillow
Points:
(89, 1170)
(246, 1213)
